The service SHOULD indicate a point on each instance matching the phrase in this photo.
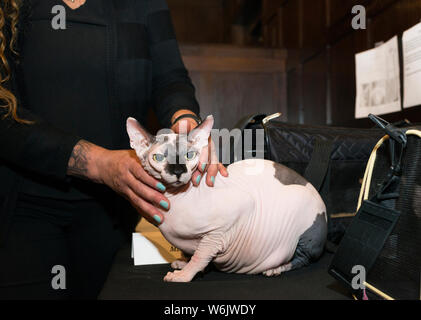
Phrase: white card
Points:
(150, 247)
(411, 47)
(378, 80)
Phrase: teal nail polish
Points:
(198, 178)
(160, 186)
(213, 180)
(163, 204)
(203, 166)
(157, 218)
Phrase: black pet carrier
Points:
(385, 236)
(333, 159)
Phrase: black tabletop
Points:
(130, 282)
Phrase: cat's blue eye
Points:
(158, 157)
(191, 155)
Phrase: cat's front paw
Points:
(178, 264)
(177, 276)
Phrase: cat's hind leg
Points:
(309, 248)
(300, 259)
(311, 243)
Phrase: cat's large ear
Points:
(200, 135)
(139, 137)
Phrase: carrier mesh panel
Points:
(397, 270)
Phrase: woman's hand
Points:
(121, 171)
(208, 162)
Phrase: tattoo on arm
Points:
(79, 160)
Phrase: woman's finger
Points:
(213, 157)
(201, 167)
(140, 174)
(203, 160)
(211, 174)
(147, 210)
(222, 170)
(147, 193)
(214, 165)
(197, 177)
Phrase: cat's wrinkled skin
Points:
(263, 218)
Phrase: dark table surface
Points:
(130, 282)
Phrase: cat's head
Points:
(169, 157)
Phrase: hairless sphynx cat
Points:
(263, 218)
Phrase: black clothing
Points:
(75, 234)
(114, 59)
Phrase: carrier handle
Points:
(396, 144)
(395, 133)
(365, 188)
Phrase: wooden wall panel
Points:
(269, 7)
(342, 77)
(200, 21)
(233, 82)
(394, 20)
(291, 25)
(338, 10)
(295, 106)
(272, 30)
(314, 79)
(314, 25)
(230, 96)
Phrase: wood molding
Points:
(222, 50)
(195, 3)
(227, 58)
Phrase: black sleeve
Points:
(172, 87)
(37, 147)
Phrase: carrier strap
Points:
(318, 167)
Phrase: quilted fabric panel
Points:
(295, 143)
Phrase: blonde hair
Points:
(9, 17)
